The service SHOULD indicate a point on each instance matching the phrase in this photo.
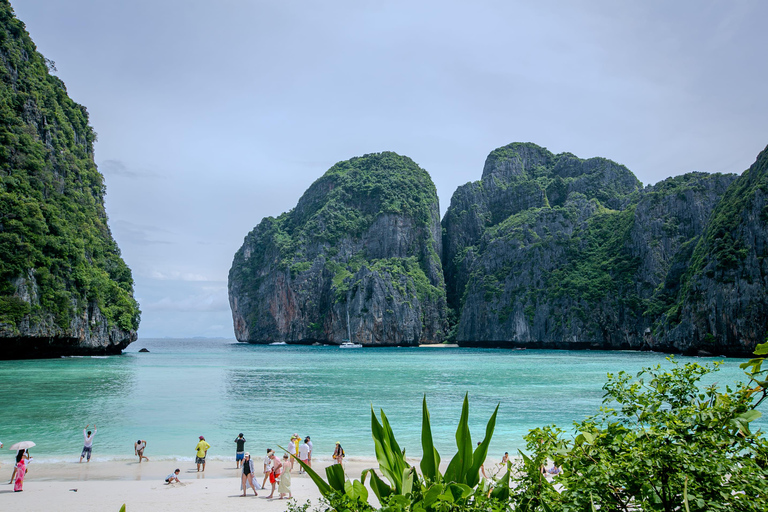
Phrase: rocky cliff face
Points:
(722, 303)
(64, 288)
(357, 258)
(595, 261)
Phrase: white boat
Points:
(349, 344)
(278, 343)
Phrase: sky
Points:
(212, 115)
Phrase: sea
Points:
(218, 388)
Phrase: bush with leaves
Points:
(660, 442)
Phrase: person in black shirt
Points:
(240, 452)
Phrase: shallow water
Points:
(217, 388)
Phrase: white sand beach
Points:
(105, 486)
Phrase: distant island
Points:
(64, 289)
(544, 251)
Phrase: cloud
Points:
(178, 276)
(118, 168)
(139, 234)
(199, 302)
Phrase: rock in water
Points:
(553, 251)
(64, 288)
(144, 350)
(359, 254)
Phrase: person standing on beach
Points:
(267, 467)
(138, 449)
(303, 455)
(20, 455)
(338, 454)
(248, 471)
(277, 469)
(21, 471)
(240, 450)
(309, 455)
(202, 451)
(285, 479)
(292, 448)
(88, 444)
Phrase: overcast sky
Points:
(214, 114)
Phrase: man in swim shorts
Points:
(88, 444)
(303, 455)
(240, 451)
(201, 452)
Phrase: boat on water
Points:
(349, 344)
(278, 343)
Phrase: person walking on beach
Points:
(138, 449)
(303, 455)
(338, 453)
(277, 469)
(248, 471)
(202, 451)
(88, 444)
(267, 467)
(173, 477)
(240, 450)
(293, 448)
(309, 455)
(21, 471)
(20, 455)
(285, 479)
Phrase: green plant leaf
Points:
(501, 491)
(478, 458)
(432, 494)
(336, 477)
(430, 462)
(380, 488)
(461, 463)
(321, 484)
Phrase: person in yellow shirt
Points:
(202, 451)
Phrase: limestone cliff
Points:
(64, 288)
(582, 258)
(357, 257)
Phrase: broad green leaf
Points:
(380, 488)
(481, 452)
(761, 349)
(430, 462)
(750, 415)
(501, 491)
(336, 477)
(408, 475)
(431, 495)
(359, 490)
(461, 463)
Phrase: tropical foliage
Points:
(663, 441)
(54, 237)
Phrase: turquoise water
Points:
(218, 388)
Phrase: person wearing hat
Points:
(267, 466)
(248, 471)
(240, 451)
(338, 453)
(202, 451)
(292, 451)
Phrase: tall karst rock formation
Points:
(553, 251)
(358, 257)
(64, 288)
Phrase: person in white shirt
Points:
(267, 466)
(309, 456)
(303, 455)
(88, 445)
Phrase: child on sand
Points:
(173, 477)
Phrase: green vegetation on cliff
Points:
(361, 243)
(57, 255)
